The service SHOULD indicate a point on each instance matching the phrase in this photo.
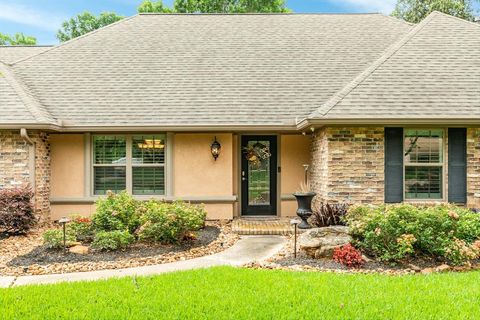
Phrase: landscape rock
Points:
(320, 242)
(427, 270)
(443, 268)
(79, 249)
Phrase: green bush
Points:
(112, 240)
(82, 227)
(116, 212)
(170, 222)
(53, 239)
(395, 232)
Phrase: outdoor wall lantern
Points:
(215, 148)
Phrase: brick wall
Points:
(473, 167)
(15, 167)
(348, 164)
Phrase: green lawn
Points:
(228, 293)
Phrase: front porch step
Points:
(262, 226)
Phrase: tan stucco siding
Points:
(67, 165)
(294, 153)
(196, 173)
(64, 210)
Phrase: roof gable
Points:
(432, 73)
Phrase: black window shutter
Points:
(457, 165)
(393, 165)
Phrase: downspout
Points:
(31, 155)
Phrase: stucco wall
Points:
(348, 164)
(197, 174)
(294, 153)
(68, 165)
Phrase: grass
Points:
(228, 293)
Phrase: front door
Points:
(259, 175)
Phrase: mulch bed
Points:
(285, 260)
(26, 255)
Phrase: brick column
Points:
(348, 164)
(15, 169)
(473, 167)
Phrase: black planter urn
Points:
(304, 211)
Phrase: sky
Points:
(42, 18)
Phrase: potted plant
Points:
(304, 201)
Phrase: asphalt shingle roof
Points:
(433, 73)
(210, 70)
(11, 54)
(17, 105)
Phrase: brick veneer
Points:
(348, 164)
(15, 168)
(473, 167)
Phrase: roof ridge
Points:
(27, 46)
(340, 95)
(40, 114)
(76, 39)
(256, 13)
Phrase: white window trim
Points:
(167, 165)
(443, 164)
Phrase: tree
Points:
(215, 6)
(84, 23)
(17, 39)
(415, 10)
(154, 7)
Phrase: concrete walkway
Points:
(247, 249)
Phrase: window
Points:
(135, 163)
(424, 160)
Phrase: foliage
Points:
(415, 11)
(215, 6)
(153, 7)
(234, 293)
(16, 210)
(53, 239)
(84, 23)
(395, 232)
(82, 227)
(112, 240)
(116, 212)
(170, 222)
(348, 256)
(326, 214)
(230, 6)
(17, 39)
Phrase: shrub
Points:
(348, 256)
(116, 212)
(82, 227)
(112, 240)
(326, 214)
(395, 232)
(16, 210)
(170, 222)
(53, 239)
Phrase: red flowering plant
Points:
(348, 256)
(82, 227)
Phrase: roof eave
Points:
(451, 122)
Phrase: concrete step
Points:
(262, 226)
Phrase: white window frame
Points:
(442, 165)
(129, 163)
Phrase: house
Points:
(227, 109)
